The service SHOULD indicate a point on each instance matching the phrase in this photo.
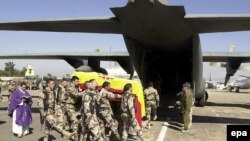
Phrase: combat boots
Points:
(149, 126)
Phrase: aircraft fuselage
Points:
(162, 46)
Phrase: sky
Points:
(12, 42)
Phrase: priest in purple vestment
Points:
(20, 111)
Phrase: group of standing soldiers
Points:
(11, 88)
(86, 115)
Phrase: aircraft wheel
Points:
(201, 102)
(206, 95)
(237, 90)
(229, 89)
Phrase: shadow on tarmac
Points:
(231, 92)
(2, 122)
(3, 109)
(175, 128)
(51, 138)
(223, 120)
(247, 106)
(35, 110)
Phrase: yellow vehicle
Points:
(117, 85)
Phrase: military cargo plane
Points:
(242, 82)
(156, 35)
(231, 65)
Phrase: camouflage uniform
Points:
(90, 119)
(61, 94)
(84, 133)
(187, 104)
(128, 116)
(0, 89)
(60, 100)
(54, 114)
(152, 101)
(1, 97)
(71, 98)
(106, 112)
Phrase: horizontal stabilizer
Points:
(105, 56)
(91, 25)
(211, 23)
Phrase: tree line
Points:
(10, 71)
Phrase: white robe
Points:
(17, 129)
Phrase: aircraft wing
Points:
(241, 57)
(106, 56)
(204, 23)
(92, 25)
(233, 61)
(199, 23)
(75, 59)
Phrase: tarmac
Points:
(209, 122)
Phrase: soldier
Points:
(11, 89)
(106, 112)
(84, 132)
(50, 112)
(60, 101)
(72, 105)
(186, 96)
(1, 87)
(128, 113)
(89, 108)
(1, 97)
(61, 92)
(152, 101)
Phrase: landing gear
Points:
(202, 101)
(230, 89)
(237, 89)
(206, 95)
(234, 89)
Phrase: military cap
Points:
(186, 85)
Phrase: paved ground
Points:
(209, 123)
(5, 123)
